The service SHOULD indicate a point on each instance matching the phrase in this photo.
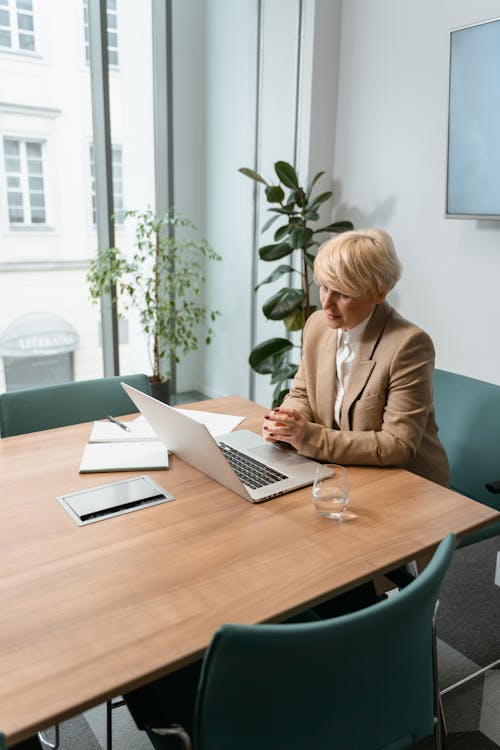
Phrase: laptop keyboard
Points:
(251, 472)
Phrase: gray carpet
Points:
(468, 629)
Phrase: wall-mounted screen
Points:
(473, 177)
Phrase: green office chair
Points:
(34, 409)
(468, 416)
(361, 681)
(31, 744)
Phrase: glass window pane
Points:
(34, 150)
(4, 17)
(34, 166)
(5, 38)
(11, 147)
(12, 164)
(35, 183)
(37, 200)
(24, 4)
(15, 199)
(25, 22)
(16, 216)
(26, 42)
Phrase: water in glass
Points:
(330, 490)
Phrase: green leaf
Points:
(313, 182)
(263, 357)
(275, 252)
(319, 200)
(289, 210)
(298, 197)
(287, 174)
(285, 372)
(311, 215)
(275, 275)
(269, 222)
(309, 257)
(300, 236)
(282, 232)
(295, 321)
(282, 303)
(274, 194)
(337, 226)
(253, 175)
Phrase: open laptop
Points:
(272, 471)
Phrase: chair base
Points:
(470, 677)
(45, 743)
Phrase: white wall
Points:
(390, 161)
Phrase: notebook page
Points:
(104, 431)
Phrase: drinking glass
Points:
(330, 490)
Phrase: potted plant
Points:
(297, 213)
(161, 277)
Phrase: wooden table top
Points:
(87, 613)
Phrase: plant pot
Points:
(161, 390)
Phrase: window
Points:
(116, 160)
(112, 28)
(17, 28)
(25, 182)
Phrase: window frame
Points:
(24, 181)
(16, 32)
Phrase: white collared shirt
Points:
(345, 359)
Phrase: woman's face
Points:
(346, 312)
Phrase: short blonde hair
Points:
(358, 262)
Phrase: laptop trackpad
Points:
(284, 460)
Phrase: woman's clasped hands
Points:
(284, 426)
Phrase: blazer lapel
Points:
(363, 363)
(327, 379)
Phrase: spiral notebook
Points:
(110, 448)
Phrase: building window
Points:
(116, 160)
(25, 181)
(112, 29)
(17, 28)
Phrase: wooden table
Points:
(87, 613)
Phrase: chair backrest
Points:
(362, 680)
(468, 417)
(34, 409)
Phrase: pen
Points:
(116, 421)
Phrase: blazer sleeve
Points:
(387, 422)
(298, 397)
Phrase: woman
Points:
(363, 391)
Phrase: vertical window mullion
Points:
(103, 172)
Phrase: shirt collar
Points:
(354, 334)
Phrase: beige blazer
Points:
(387, 415)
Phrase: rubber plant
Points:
(296, 210)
